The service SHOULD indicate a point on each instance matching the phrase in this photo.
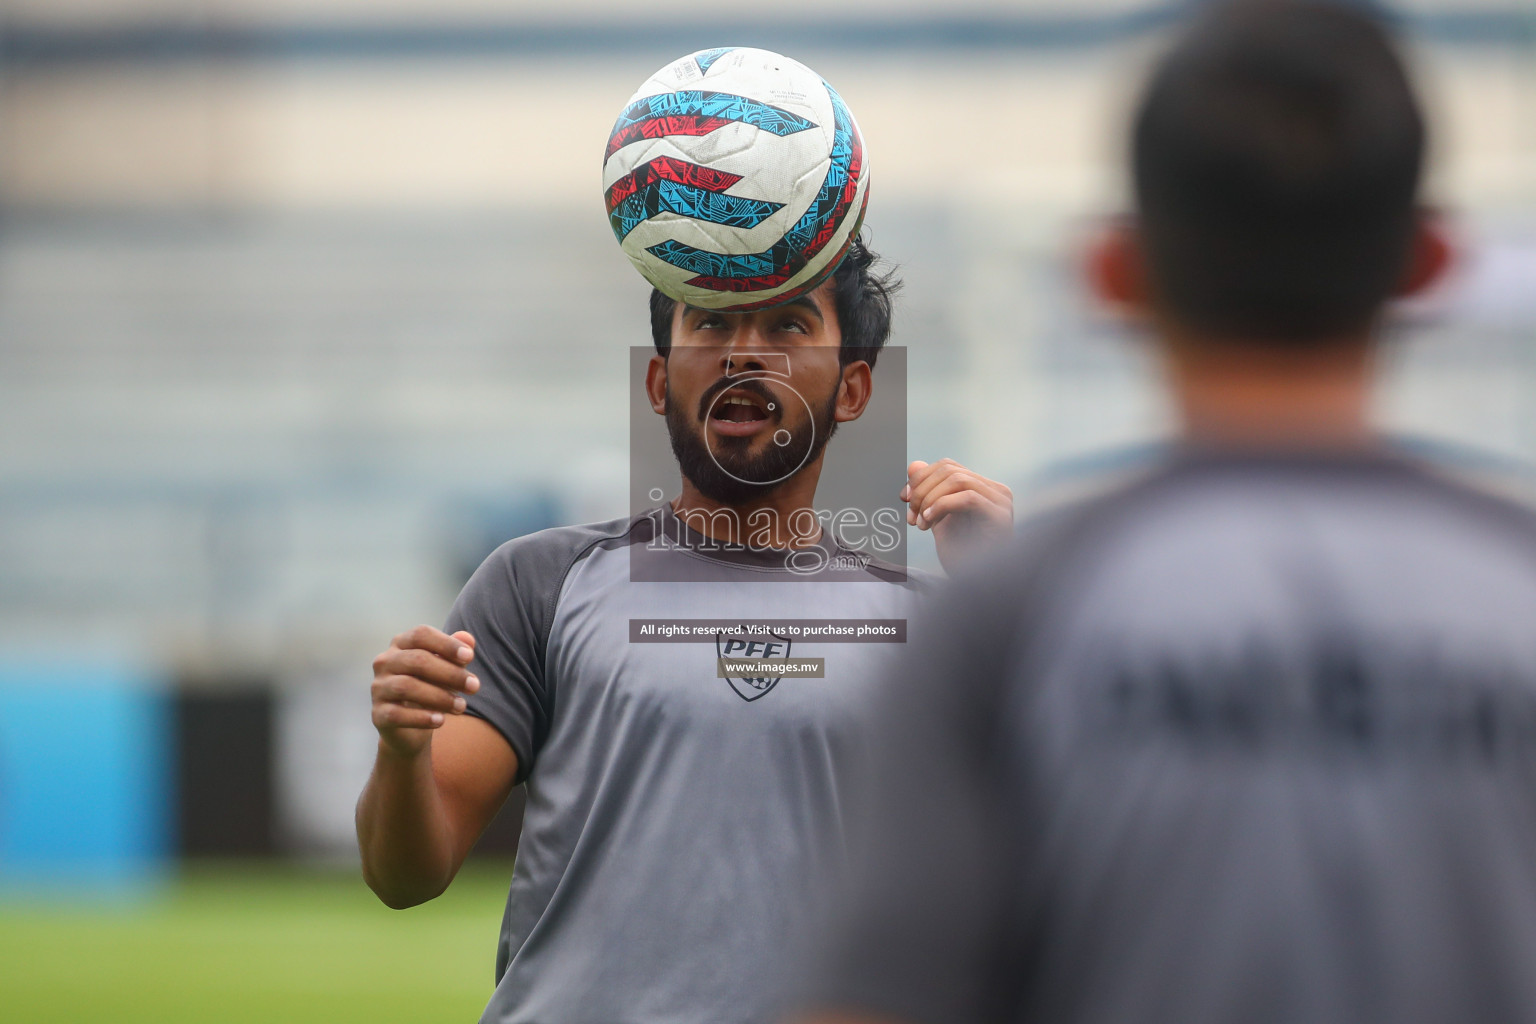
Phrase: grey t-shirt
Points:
(676, 822)
(1251, 740)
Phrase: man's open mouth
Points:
(742, 411)
(739, 406)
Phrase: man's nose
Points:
(743, 355)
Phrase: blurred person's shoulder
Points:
(1499, 485)
(1156, 493)
(1064, 498)
(1075, 486)
(1059, 506)
(1399, 467)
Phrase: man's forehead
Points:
(818, 300)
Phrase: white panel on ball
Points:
(735, 178)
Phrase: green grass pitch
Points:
(267, 944)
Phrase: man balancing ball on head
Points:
(674, 824)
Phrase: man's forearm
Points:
(403, 830)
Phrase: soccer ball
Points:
(735, 179)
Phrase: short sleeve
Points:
(508, 605)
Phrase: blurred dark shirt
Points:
(1251, 739)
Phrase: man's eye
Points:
(793, 325)
(709, 323)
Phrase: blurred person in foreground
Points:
(1252, 738)
(675, 820)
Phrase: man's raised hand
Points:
(417, 681)
(966, 511)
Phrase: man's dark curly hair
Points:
(862, 293)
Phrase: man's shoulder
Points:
(1490, 484)
(1066, 488)
(881, 570)
(991, 593)
(1400, 470)
(534, 566)
(562, 543)
(1159, 493)
(1067, 498)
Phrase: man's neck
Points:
(1256, 394)
(783, 517)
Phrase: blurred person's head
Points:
(752, 398)
(1276, 158)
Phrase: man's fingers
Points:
(949, 504)
(962, 480)
(417, 683)
(932, 476)
(922, 478)
(426, 638)
(915, 473)
(427, 667)
(402, 689)
(921, 475)
(946, 477)
(393, 716)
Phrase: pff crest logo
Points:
(763, 647)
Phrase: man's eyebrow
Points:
(809, 303)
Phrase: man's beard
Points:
(733, 475)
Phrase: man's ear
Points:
(1116, 269)
(854, 392)
(656, 384)
(1431, 257)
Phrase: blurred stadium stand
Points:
(304, 306)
